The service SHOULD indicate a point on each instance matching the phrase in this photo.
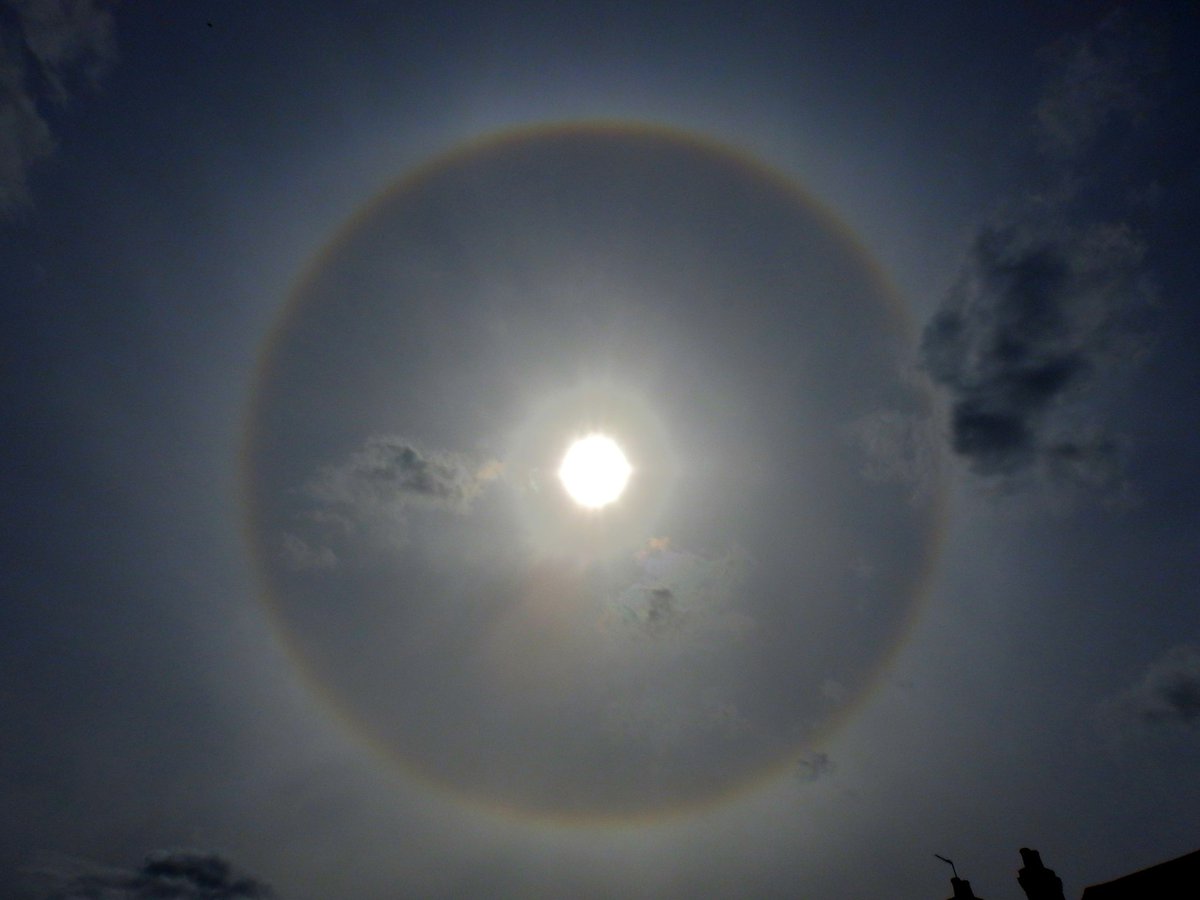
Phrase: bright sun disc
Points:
(594, 471)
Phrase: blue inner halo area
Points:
(431, 576)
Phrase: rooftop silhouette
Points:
(1175, 879)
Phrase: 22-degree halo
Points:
(594, 471)
(412, 562)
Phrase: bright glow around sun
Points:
(594, 471)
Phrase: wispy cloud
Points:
(164, 876)
(1098, 82)
(299, 555)
(1168, 692)
(682, 594)
(899, 447)
(47, 49)
(369, 493)
(390, 471)
(813, 765)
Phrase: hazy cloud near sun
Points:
(371, 489)
(389, 471)
(686, 595)
(46, 48)
(163, 876)
(685, 608)
(1049, 298)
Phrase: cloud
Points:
(300, 556)
(1048, 299)
(45, 47)
(661, 610)
(164, 876)
(368, 493)
(900, 448)
(1038, 313)
(1168, 692)
(1098, 83)
(813, 765)
(390, 471)
(682, 594)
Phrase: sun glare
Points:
(594, 471)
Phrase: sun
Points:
(594, 471)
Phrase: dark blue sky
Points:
(929, 567)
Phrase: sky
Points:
(889, 309)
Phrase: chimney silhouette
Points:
(962, 890)
(1038, 882)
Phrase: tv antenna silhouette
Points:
(947, 862)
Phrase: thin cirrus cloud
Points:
(47, 47)
(1049, 297)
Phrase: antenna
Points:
(947, 862)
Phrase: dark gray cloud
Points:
(1047, 299)
(1168, 692)
(1039, 312)
(164, 876)
(45, 47)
